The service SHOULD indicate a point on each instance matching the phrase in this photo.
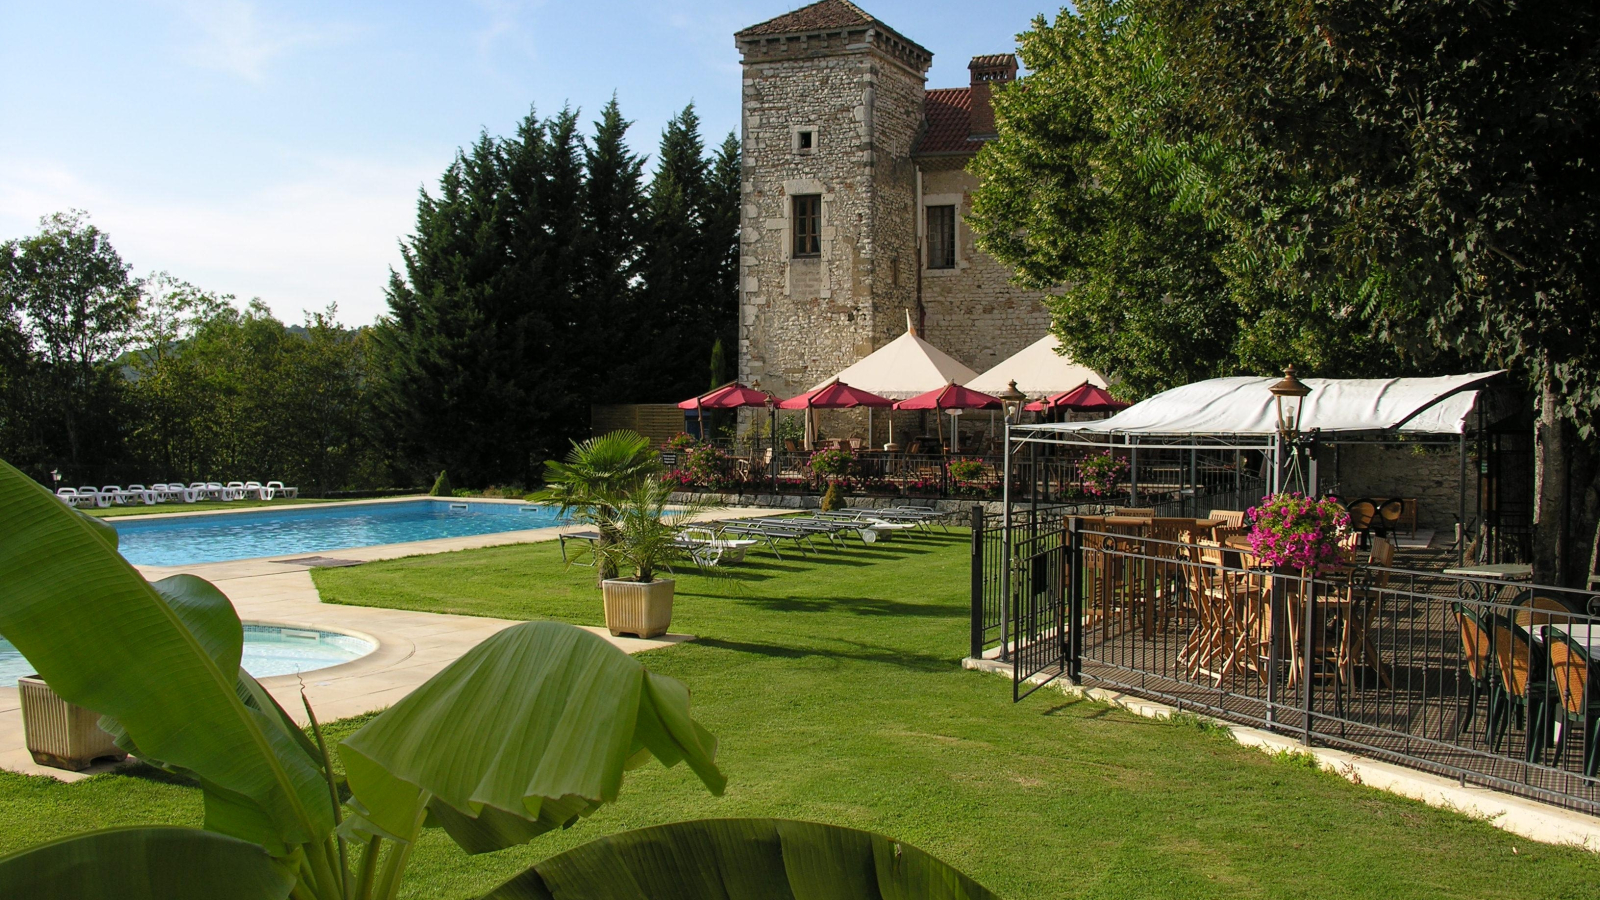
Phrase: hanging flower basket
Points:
(1100, 473)
(1298, 532)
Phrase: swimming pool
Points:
(268, 650)
(185, 540)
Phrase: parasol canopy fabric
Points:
(835, 395)
(951, 396)
(1039, 371)
(729, 396)
(905, 367)
(1085, 397)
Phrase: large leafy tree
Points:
(1104, 190)
(69, 304)
(1433, 165)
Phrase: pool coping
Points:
(412, 646)
(324, 504)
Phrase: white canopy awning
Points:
(1244, 407)
(1039, 371)
(903, 368)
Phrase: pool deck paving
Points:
(412, 646)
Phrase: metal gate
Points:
(1039, 576)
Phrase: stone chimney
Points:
(996, 68)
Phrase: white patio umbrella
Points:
(902, 369)
(1038, 370)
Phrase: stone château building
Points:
(854, 197)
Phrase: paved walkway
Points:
(412, 646)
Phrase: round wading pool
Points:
(268, 650)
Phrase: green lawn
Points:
(198, 506)
(836, 690)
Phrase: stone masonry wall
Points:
(804, 319)
(1432, 475)
(974, 312)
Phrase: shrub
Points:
(705, 465)
(967, 471)
(832, 464)
(683, 440)
(833, 497)
(441, 486)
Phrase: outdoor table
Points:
(1502, 571)
(1586, 636)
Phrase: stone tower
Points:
(833, 108)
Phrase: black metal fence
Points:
(1050, 475)
(1488, 681)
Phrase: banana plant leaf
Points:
(742, 859)
(161, 661)
(527, 732)
(157, 863)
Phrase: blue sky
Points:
(276, 149)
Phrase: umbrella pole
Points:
(955, 435)
(869, 428)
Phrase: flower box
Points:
(60, 734)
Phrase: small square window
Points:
(805, 139)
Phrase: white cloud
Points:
(505, 26)
(328, 235)
(232, 36)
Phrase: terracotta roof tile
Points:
(992, 59)
(824, 14)
(948, 112)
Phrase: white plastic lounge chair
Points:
(118, 495)
(254, 490)
(142, 494)
(69, 496)
(707, 549)
(276, 489)
(216, 491)
(236, 490)
(89, 495)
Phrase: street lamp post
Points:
(1289, 395)
(1012, 399)
(772, 432)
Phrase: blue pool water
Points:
(268, 650)
(185, 540)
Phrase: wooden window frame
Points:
(806, 225)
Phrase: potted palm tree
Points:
(643, 539)
(596, 477)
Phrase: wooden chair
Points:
(1354, 635)
(1134, 511)
(1233, 518)
(1579, 709)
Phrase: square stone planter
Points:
(59, 734)
(632, 607)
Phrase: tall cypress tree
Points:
(454, 342)
(675, 267)
(720, 229)
(613, 210)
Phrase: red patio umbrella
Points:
(730, 396)
(833, 395)
(951, 396)
(1083, 398)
